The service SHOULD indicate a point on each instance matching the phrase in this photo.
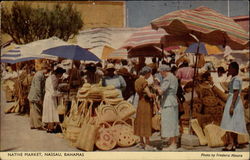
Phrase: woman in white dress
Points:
(233, 117)
(50, 115)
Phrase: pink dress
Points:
(185, 74)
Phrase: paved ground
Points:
(16, 135)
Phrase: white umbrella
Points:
(14, 55)
(36, 48)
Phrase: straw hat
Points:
(210, 58)
(229, 57)
(110, 66)
(45, 66)
(41, 66)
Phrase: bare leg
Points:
(231, 137)
(170, 141)
(141, 140)
(174, 140)
(147, 141)
(50, 126)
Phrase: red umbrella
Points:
(206, 24)
(146, 36)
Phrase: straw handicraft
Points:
(87, 136)
(105, 138)
(123, 134)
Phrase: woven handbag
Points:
(87, 136)
(61, 108)
(107, 113)
(72, 122)
(156, 122)
(105, 139)
(198, 131)
(243, 138)
(123, 134)
(113, 101)
(131, 122)
(214, 135)
(125, 110)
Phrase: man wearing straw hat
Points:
(169, 114)
(35, 97)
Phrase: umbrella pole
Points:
(70, 77)
(192, 95)
(19, 83)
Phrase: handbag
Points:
(87, 136)
(61, 109)
(131, 122)
(198, 131)
(214, 135)
(156, 122)
(107, 113)
(72, 122)
(123, 133)
(105, 139)
(243, 138)
(125, 110)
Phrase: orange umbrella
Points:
(213, 50)
(107, 51)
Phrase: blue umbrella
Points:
(197, 46)
(73, 52)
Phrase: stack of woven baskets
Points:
(107, 94)
(110, 125)
(208, 107)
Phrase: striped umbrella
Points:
(206, 24)
(120, 53)
(146, 36)
(13, 56)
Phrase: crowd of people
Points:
(159, 87)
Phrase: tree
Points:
(26, 24)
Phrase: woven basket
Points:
(61, 108)
(111, 93)
(197, 108)
(112, 101)
(123, 134)
(220, 94)
(156, 122)
(105, 139)
(72, 133)
(107, 113)
(224, 85)
(243, 138)
(214, 135)
(125, 110)
(72, 123)
(198, 131)
(87, 136)
(209, 101)
(131, 121)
